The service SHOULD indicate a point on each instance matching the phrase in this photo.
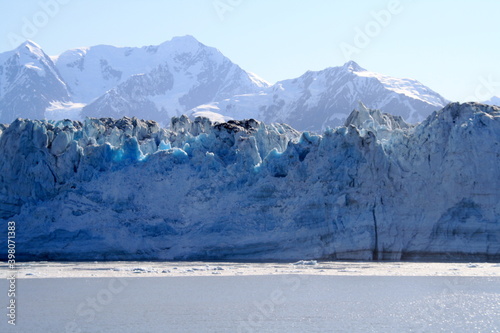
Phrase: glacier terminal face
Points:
(374, 189)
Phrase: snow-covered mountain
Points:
(493, 101)
(91, 72)
(318, 100)
(184, 76)
(154, 82)
(29, 82)
(377, 188)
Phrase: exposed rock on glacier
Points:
(376, 188)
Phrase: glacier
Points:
(376, 188)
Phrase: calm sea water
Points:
(273, 303)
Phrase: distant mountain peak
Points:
(185, 38)
(493, 101)
(186, 42)
(30, 44)
(30, 48)
(353, 66)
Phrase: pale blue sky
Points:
(450, 45)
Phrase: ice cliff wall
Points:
(376, 188)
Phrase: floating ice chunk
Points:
(306, 262)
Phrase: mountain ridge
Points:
(184, 76)
(120, 63)
(308, 105)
